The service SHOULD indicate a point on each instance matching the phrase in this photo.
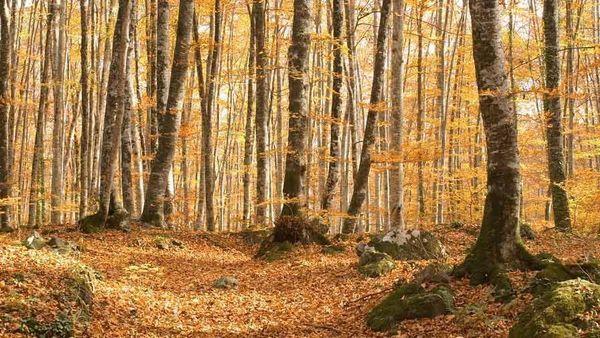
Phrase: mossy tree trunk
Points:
(499, 244)
(553, 114)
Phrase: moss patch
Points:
(410, 301)
(409, 245)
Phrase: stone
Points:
(527, 231)
(434, 273)
(226, 282)
(410, 301)
(61, 245)
(375, 264)
(162, 243)
(34, 241)
(559, 312)
(409, 245)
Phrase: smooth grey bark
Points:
(333, 173)
(5, 43)
(58, 133)
(202, 95)
(298, 61)
(553, 115)
(420, 112)
(498, 245)
(397, 116)
(170, 122)
(113, 117)
(375, 105)
(261, 118)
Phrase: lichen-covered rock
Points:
(375, 264)
(409, 245)
(62, 246)
(410, 301)
(34, 241)
(226, 282)
(434, 273)
(560, 312)
(361, 247)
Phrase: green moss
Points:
(377, 269)
(91, 224)
(333, 249)
(410, 301)
(558, 311)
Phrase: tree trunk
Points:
(552, 110)
(113, 119)
(58, 126)
(169, 123)
(362, 177)
(261, 111)
(5, 43)
(126, 131)
(397, 114)
(333, 174)
(249, 137)
(298, 61)
(499, 243)
(85, 112)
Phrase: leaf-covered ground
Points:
(145, 291)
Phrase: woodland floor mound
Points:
(152, 292)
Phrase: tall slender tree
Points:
(298, 60)
(333, 174)
(85, 112)
(261, 110)
(5, 42)
(170, 122)
(113, 119)
(375, 107)
(553, 115)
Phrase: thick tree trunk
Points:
(298, 60)
(552, 110)
(261, 111)
(127, 132)
(499, 244)
(333, 174)
(169, 123)
(5, 43)
(397, 114)
(362, 177)
(113, 119)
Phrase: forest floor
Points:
(145, 291)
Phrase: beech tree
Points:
(553, 114)
(5, 40)
(375, 107)
(498, 246)
(169, 123)
(113, 119)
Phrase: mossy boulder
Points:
(410, 301)
(375, 264)
(409, 245)
(226, 282)
(560, 312)
(435, 272)
(555, 272)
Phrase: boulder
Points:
(410, 301)
(409, 245)
(559, 312)
(61, 245)
(34, 241)
(555, 272)
(162, 243)
(361, 247)
(226, 282)
(375, 264)
(434, 273)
